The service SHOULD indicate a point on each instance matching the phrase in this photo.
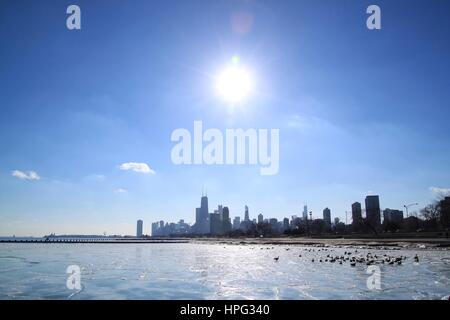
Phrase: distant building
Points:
(215, 224)
(236, 223)
(444, 206)
(155, 228)
(392, 216)
(336, 221)
(285, 224)
(327, 216)
(273, 224)
(373, 212)
(260, 218)
(226, 220)
(356, 214)
(140, 225)
(202, 223)
(246, 214)
(305, 212)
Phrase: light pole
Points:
(407, 207)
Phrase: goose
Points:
(276, 259)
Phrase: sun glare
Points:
(234, 84)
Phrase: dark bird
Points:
(276, 259)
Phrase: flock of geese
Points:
(355, 258)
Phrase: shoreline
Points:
(405, 243)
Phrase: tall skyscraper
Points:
(305, 212)
(356, 214)
(373, 213)
(260, 218)
(247, 217)
(140, 225)
(327, 216)
(202, 223)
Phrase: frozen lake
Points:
(216, 271)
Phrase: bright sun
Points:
(234, 84)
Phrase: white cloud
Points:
(137, 167)
(440, 191)
(31, 175)
(120, 190)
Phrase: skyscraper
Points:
(215, 224)
(237, 223)
(247, 217)
(260, 218)
(140, 224)
(327, 216)
(202, 223)
(226, 219)
(356, 214)
(373, 213)
(305, 212)
(155, 229)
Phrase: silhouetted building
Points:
(273, 225)
(285, 224)
(392, 216)
(236, 223)
(373, 212)
(226, 221)
(305, 212)
(260, 218)
(246, 216)
(356, 214)
(155, 228)
(202, 223)
(444, 207)
(327, 216)
(215, 224)
(140, 225)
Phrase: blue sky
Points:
(359, 111)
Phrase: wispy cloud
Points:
(120, 190)
(30, 175)
(440, 191)
(137, 167)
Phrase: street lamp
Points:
(409, 205)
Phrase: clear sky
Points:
(359, 111)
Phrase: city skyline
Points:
(86, 115)
(220, 222)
